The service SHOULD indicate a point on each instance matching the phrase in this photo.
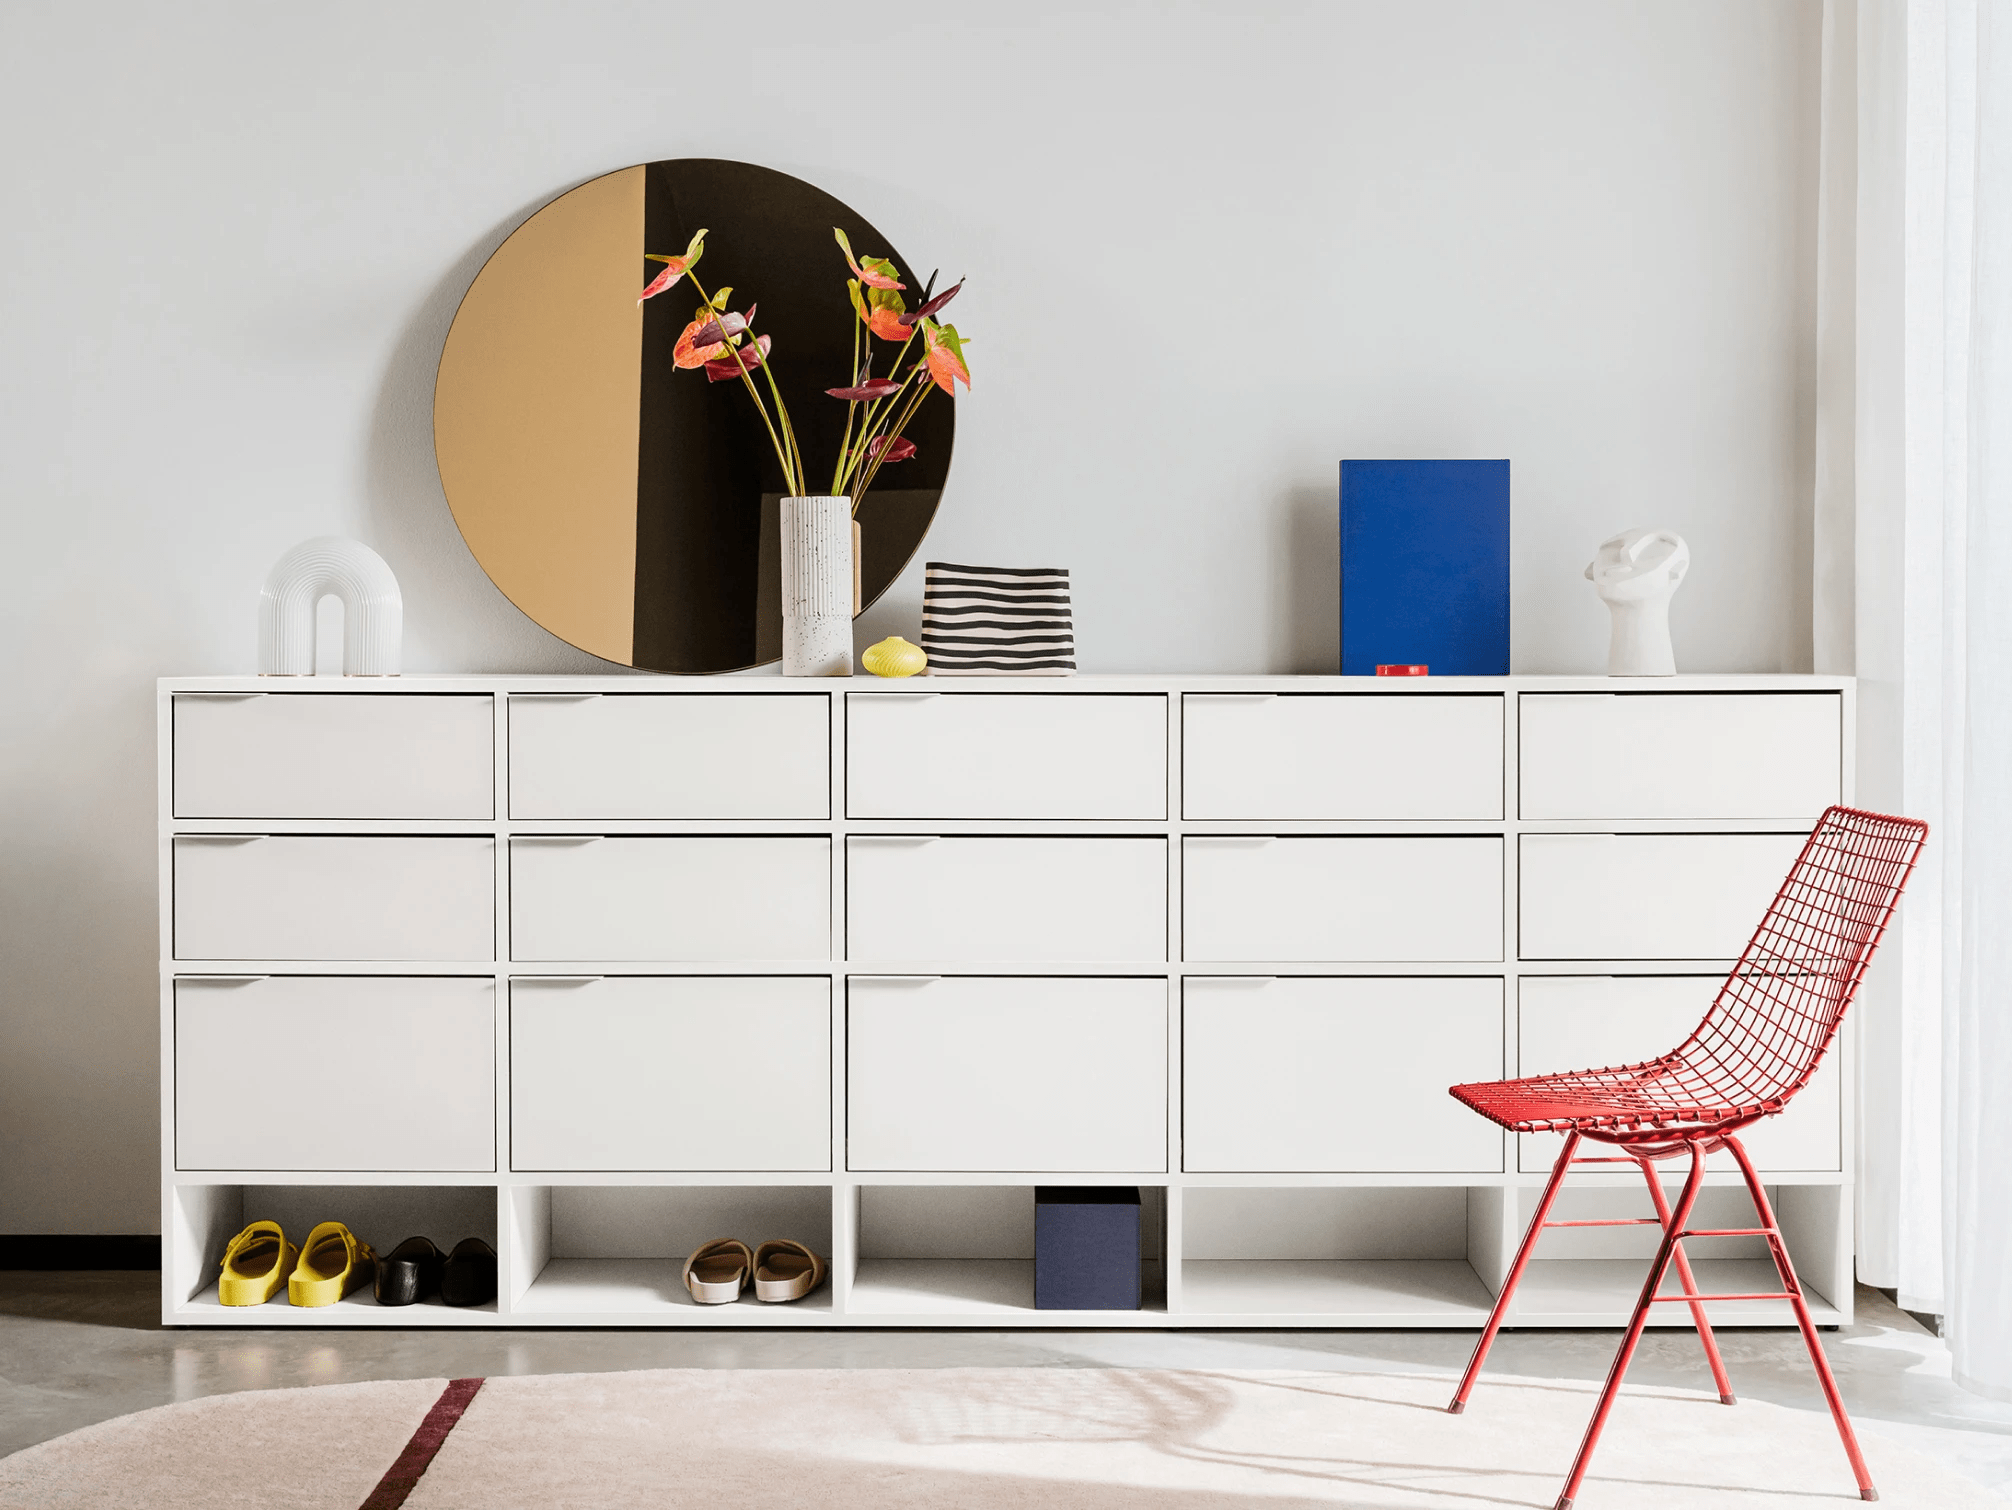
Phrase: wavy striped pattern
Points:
(997, 621)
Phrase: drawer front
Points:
(1005, 755)
(671, 756)
(1034, 1074)
(1648, 896)
(1304, 1075)
(329, 755)
(671, 1073)
(335, 1072)
(308, 897)
(1681, 754)
(1578, 1022)
(1001, 899)
(670, 899)
(1394, 756)
(1254, 899)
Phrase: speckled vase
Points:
(817, 586)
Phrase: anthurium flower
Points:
(867, 392)
(688, 353)
(724, 327)
(900, 449)
(743, 359)
(674, 267)
(874, 272)
(887, 324)
(931, 306)
(945, 356)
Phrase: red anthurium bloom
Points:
(744, 359)
(688, 353)
(900, 450)
(934, 304)
(867, 392)
(874, 272)
(946, 357)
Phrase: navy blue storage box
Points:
(1087, 1251)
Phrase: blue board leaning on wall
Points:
(1425, 566)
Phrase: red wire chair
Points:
(1760, 1042)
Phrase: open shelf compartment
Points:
(607, 1255)
(948, 1252)
(204, 1218)
(1340, 1256)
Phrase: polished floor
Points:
(82, 1347)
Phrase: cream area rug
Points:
(975, 1439)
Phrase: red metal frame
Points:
(1758, 1045)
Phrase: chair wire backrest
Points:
(1778, 1011)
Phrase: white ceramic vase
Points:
(817, 586)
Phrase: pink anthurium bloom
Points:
(744, 359)
(688, 353)
(900, 449)
(886, 324)
(867, 392)
(674, 267)
(874, 272)
(946, 356)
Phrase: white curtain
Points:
(1913, 591)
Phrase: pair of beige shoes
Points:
(718, 1271)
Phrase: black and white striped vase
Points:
(997, 621)
(817, 589)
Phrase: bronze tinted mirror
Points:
(627, 506)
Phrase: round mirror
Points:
(626, 505)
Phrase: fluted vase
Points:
(817, 586)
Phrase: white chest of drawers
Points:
(601, 968)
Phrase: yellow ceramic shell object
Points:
(894, 657)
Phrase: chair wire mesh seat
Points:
(1762, 1039)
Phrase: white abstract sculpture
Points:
(1636, 574)
(373, 614)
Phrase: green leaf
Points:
(696, 245)
(886, 298)
(947, 336)
(844, 245)
(720, 298)
(882, 266)
(858, 303)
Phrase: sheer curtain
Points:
(1913, 591)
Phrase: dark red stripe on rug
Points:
(401, 1477)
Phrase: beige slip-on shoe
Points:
(718, 1271)
(785, 1270)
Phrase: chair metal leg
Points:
(1515, 1275)
(1673, 1230)
(1778, 1250)
(1690, 1288)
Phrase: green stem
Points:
(892, 436)
(754, 393)
(873, 413)
(845, 441)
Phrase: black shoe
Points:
(410, 1272)
(470, 1276)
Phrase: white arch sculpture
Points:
(373, 614)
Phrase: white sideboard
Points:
(600, 968)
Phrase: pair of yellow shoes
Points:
(332, 1262)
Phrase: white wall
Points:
(1212, 250)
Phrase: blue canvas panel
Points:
(1425, 566)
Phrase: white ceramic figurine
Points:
(1636, 573)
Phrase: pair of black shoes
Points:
(416, 1270)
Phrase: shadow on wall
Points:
(1306, 614)
(455, 618)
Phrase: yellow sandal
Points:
(256, 1264)
(333, 1261)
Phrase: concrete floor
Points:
(82, 1347)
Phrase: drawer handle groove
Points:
(219, 980)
